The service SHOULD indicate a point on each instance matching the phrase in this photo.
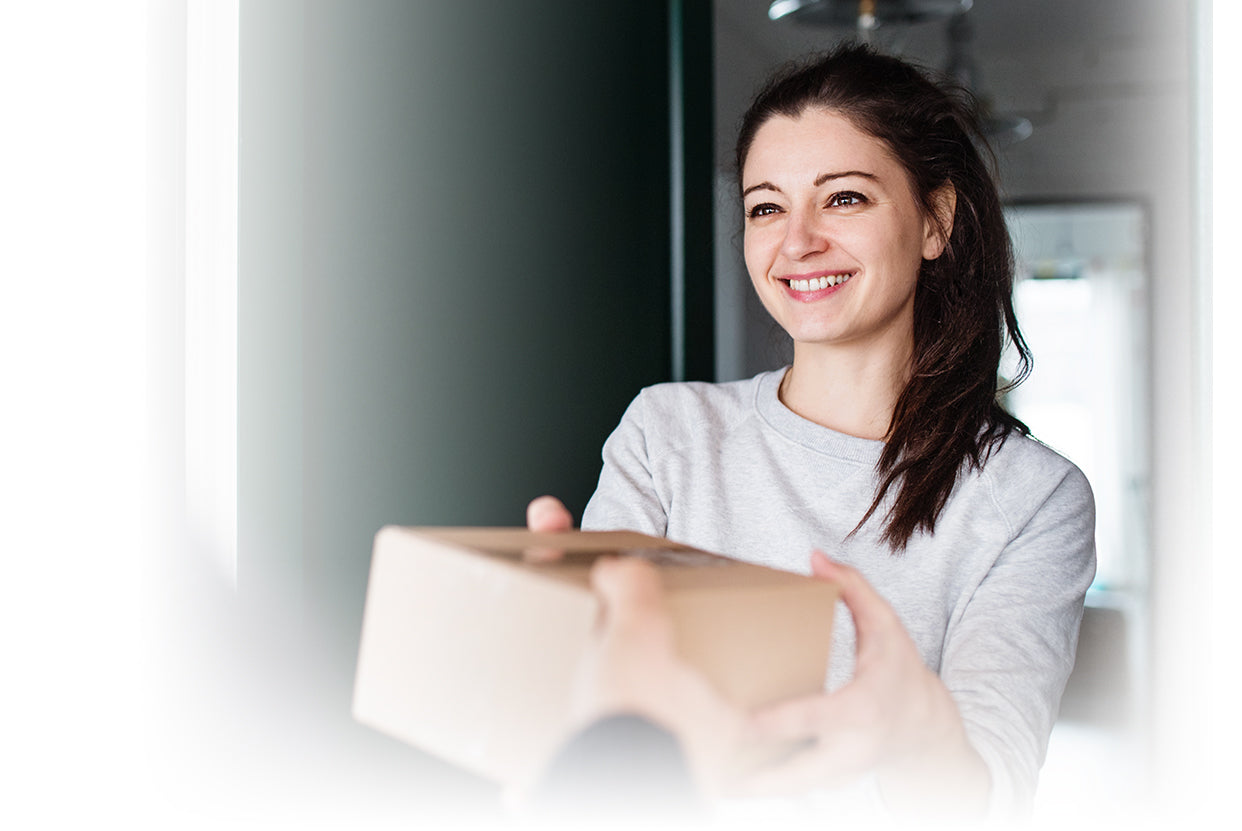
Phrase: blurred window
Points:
(1081, 300)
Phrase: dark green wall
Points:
(454, 259)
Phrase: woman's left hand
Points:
(895, 718)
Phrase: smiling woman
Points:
(876, 174)
(875, 238)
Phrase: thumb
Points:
(547, 513)
(870, 611)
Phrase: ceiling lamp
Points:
(1001, 128)
(864, 14)
(868, 15)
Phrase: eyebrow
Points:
(821, 179)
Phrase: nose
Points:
(803, 235)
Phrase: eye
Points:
(846, 199)
(762, 209)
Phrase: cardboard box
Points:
(471, 637)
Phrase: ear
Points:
(939, 225)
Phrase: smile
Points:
(817, 283)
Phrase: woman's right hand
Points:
(547, 513)
(895, 717)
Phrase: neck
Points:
(852, 391)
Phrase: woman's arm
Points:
(1009, 652)
(895, 718)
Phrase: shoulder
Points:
(674, 417)
(696, 405)
(1026, 476)
(701, 397)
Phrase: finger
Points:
(872, 613)
(547, 513)
(632, 654)
(542, 554)
(798, 718)
(829, 764)
(628, 586)
(823, 567)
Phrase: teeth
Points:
(817, 283)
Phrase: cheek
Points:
(757, 252)
(900, 249)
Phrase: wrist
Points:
(940, 772)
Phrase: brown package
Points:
(470, 641)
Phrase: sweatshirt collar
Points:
(806, 433)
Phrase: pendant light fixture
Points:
(1003, 129)
(864, 15)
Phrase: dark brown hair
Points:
(947, 417)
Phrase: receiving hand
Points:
(632, 665)
(895, 718)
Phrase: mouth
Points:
(815, 284)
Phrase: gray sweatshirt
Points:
(993, 599)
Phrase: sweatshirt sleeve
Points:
(626, 498)
(1008, 657)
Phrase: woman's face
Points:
(834, 232)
